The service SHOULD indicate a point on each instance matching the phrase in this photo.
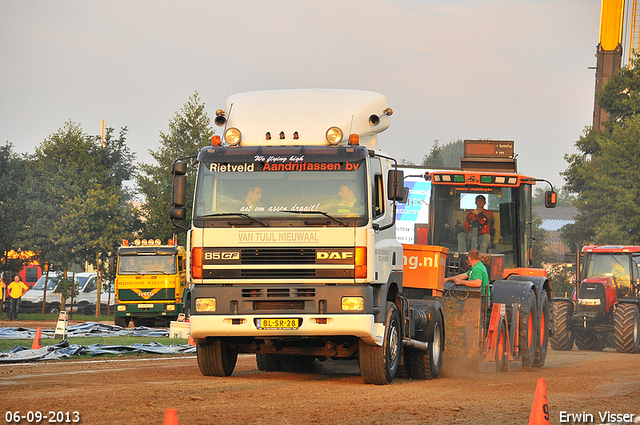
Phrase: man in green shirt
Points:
(476, 276)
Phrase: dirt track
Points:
(138, 390)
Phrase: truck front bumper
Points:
(310, 325)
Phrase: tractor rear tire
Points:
(528, 329)
(590, 340)
(216, 358)
(626, 335)
(562, 313)
(378, 365)
(543, 332)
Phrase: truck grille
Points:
(278, 305)
(278, 292)
(278, 256)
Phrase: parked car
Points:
(84, 302)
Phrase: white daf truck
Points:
(292, 250)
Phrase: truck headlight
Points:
(122, 308)
(232, 136)
(352, 304)
(589, 301)
(171, 307)
(334, 135)
(205, 305)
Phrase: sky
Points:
(450, 69)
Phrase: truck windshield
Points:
(269, 186)
(147, 264)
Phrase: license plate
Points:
(145, 305)
(278, 323)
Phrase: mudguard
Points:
(511, 291)
(539, 282)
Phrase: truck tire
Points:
(269, 362)
(543, 332)
(427, 364)
(563, 338)
(590, 340)
(187, 308)
(121, 321)
(216, 358)
(528, 328)
(298, 364)
(626, 318)
(378, 365)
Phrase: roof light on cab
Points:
(354, 139)
(215, 140)
(334, 135)
(232, 136)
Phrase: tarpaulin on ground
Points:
(66, 350)
(84, 329)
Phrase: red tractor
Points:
(605, 300)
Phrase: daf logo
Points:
(328, 255)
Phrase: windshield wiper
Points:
(337, 220)
(243, 215)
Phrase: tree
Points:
(190, 130)
(604, 175)
(74, 198)
(620, 96)
(434, 159)
(451, 154)
(11, 216)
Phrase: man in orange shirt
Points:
(15, 290)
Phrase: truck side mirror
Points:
(550, 199)
(396, 191)
(178, 209)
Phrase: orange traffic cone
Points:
(191, 341)
(36, 340)
(171, 417)
(540, 409)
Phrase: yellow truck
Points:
(150, 283)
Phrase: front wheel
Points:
(626, 319)
(378, 365)
(216, 358)
(563, 338)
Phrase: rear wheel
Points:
(626, 335)
(427, 364)
(121, 321)
(590, 340)
(298, 364)
(543, 333)
(527, 335)
(269, 362)
(563, 338)
(378, 365)
(216, 358)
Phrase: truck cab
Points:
(292, 248)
